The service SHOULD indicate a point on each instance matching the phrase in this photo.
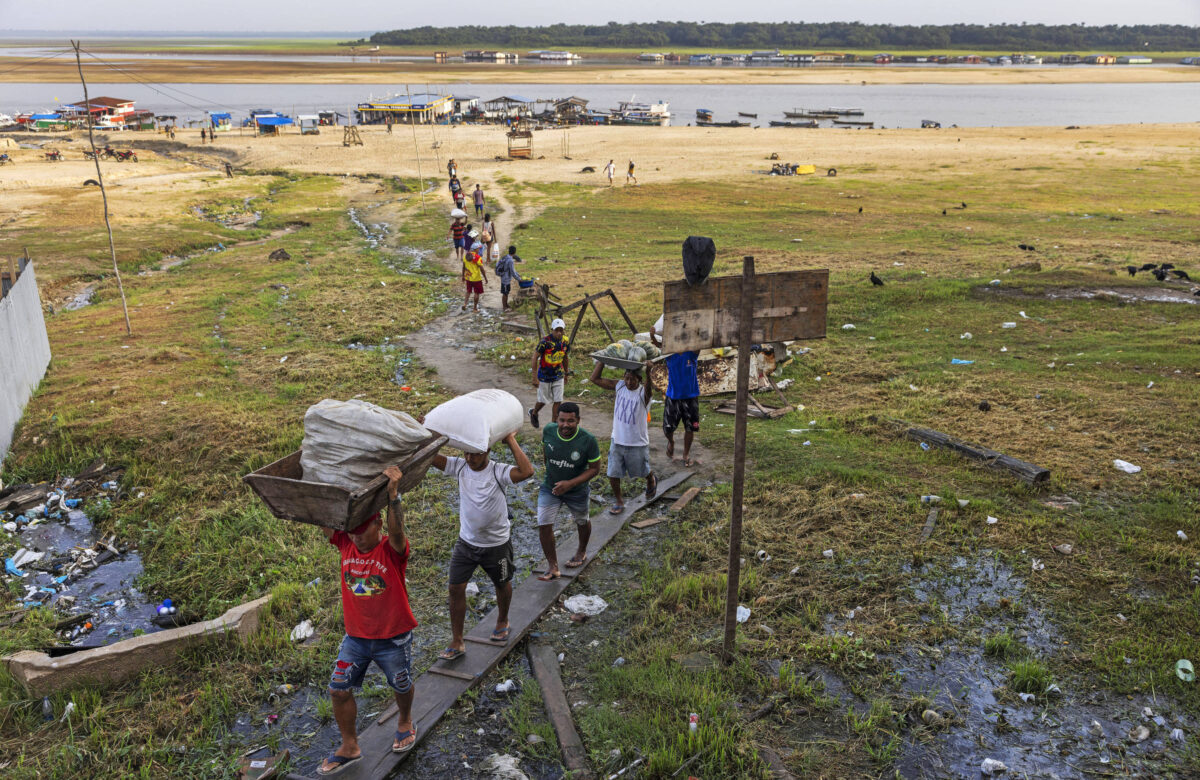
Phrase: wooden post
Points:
(12, 271)
(578, 322)
(745, 328)
(602, 322)
(621, 309)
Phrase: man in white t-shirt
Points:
(483, 534)
(629, 454)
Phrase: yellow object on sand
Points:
(803, 169)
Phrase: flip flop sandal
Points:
(341, 761)
(615, 509)
(400, 737)
(451, 654)
(547, 577)
(501, 634)
(575, 563)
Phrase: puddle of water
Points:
(1042, 738)
(1123, 294)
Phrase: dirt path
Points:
(461, 371)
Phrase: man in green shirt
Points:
(572, 459)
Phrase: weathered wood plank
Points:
(930, 520)
(544, 662)
(685, 499)
(1028, 472)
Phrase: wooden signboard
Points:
(787, 305)
(742, 311)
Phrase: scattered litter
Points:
(783, 383)
(619, 662)
(508, 686)
(806, 444)
(67, 712)
(1147, 712)
(1126, 466)
(931, 499)
(1037, 565)
(1004, 349)
(958, 362)
(992, 766)
(848, 326)
(534, 739)
(1139, 734)
(693, 721)
(283, 359)
(1062, 549)
(858, 495)
(1008, 325)
(1096, 730)
(472, 589)
(1182, 536)
(925, 446)
(1184, 670)
(285, 689)
(966, 336)
(994, 283)
(762, 556)
(1028, 698)
(914, 388)
(1023, 315)
(931, 717)
(1052, 692)
(503, 767)
(827, 553)
(561, 657)
(795, 570)
(1149, 385)
(962, 503)
(743, 614)
(302, 631)
(586, 605)
(992, 520)
(1121, 617)
(1177, 735)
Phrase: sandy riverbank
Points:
(182, 70)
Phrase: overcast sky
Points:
(182, 16)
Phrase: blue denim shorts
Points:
(549, 506)
(393, 656)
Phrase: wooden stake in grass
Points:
(103, 193)
(417, 150)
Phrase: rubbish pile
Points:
(60, 561)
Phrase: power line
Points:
(152, 85)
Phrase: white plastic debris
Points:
(1004, 349)
(1147, 712)
(472, 589)
(1126, 466)
(1182, 536)
(783, 383)
(561, 657)
(762, 556)
(1139, 734)
(1028, 698)
(914, 388)
(1096, 730)
(67, 712)
(962, 503)
(508, 686)
(827, 553)
(795, 570)
(503, 767)
(1177, 735)
(283, 359)
(1037, 565)
(1024, 316)
(992, 766)
(302, 631)
(992, 520)
(743, 614)
(994, 283)
(586, 605)
(1149, 385)
(1008, 325)
(848, 326)
(966, 336)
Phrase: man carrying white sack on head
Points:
(474, 423)
(483, 534)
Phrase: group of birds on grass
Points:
(1159, 272)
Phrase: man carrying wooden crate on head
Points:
(483, 534)
(379, 625)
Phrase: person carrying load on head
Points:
(379, 623)
(629, 453)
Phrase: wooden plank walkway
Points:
(444, 682)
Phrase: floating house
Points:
(1070, 59)
(571, 109)
(483, 55)
(418, 109)
(508, 106)
(555, 56)
(1134, 61)
(1190, 61)
(1100, 59)
(101, 107)
(651, 56)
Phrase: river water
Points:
(987, 105)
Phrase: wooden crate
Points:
(289, 497)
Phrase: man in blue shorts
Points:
(572, 459)
(682, 404)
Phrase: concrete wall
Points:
(24, 351)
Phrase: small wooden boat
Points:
(809, 123)
(844, 111)
(703, 115)
(851, 123)
(732, 123)
(809, 115)
(748, 116)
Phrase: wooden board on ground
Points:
(437, 692)
(679, 504)
(930, 520)
(1022, 470)
(787, 305)
(544, 662)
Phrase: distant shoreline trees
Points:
(811, 36)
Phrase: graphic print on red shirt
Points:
(374, 597)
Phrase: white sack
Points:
(350, 443)
(477, 420)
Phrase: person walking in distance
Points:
(477, 196)
(473, 275)
(572, 459)
(610, 171)
(629, 174)
(379, 625)
(458, 234)
(629, 453)
(488, 236)
(550, 365)
(483, 534)
(506, 271)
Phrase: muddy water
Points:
(1051, 736)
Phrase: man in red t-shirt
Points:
(379, 624)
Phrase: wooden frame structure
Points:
(520, 141)
(550, 306)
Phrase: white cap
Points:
(558, 323)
